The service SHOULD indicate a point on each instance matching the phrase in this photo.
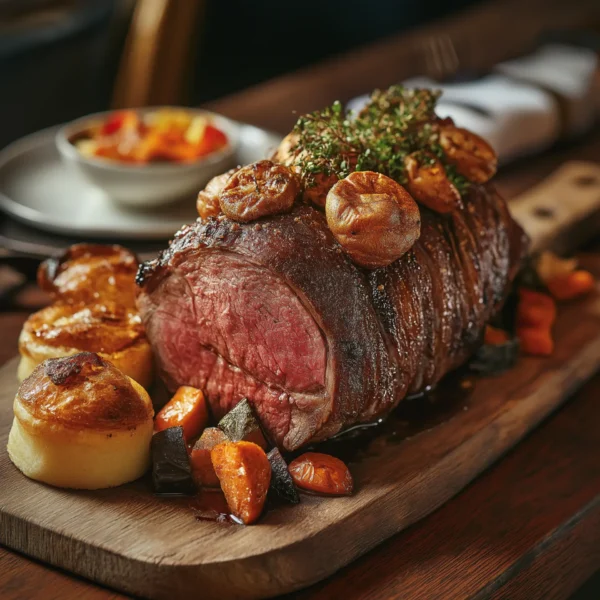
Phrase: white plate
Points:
(37, 188)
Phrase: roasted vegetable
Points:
(241, 424)
(282, 483)
(171, 471)
(472, 156)
(374, 218)
(536, 341)
(549, 265)
(163, 135)
(244, 472)
(258, 190)
(495, 336)
(207, 203)
(429, 184)
(571, 285)
(535, 309)
(321, 473)
(187, 409)
(203, 471)
(498, 353)
(536, 313)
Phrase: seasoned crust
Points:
(91, 273)
(83, 392)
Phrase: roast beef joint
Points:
(276, 310)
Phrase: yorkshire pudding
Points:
(81, 423)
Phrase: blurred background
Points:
(60, 59)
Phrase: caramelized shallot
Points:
(207, 203)
(374, 218)
(429, 184)
(258, 190)
(472, 156)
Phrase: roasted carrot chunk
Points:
(536, 341)
(187, 409)
(570, 285)
(535, 309)
(244, 472)
(321, 473)
(495, 336)
(203, 471)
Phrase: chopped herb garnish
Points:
(395, 123)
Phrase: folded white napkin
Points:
(552, 92)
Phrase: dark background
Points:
(60, 61)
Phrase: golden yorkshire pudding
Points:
(91, 274)
(65, 329)
(80, 423)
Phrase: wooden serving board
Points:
(133, 541)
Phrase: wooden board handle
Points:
(563, 211)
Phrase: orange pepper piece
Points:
(535, 309)
(536, 341)
(187, 409)
(571, 285)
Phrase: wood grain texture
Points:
(564, 205)
(128, 539)
(528, 528)
(40, 582)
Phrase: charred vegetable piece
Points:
(187, 409)
(282, 483)
(244, 472)
(497, 355)
(203, 471)
(321, 473)
(240, 423)
(171, 471)
(529, 277)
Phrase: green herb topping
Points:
(395, 123)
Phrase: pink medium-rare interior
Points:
(235, 330)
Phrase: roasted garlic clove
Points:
(260, 189)
(374, 218)
(472, 156)
(429, 184)
(207, 203)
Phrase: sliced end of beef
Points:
(276, 312)
(235, 330)
(272, 311)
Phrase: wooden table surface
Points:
(528, 528)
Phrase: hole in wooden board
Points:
(543, 212)
(585, 181)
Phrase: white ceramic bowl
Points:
(153, 184)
